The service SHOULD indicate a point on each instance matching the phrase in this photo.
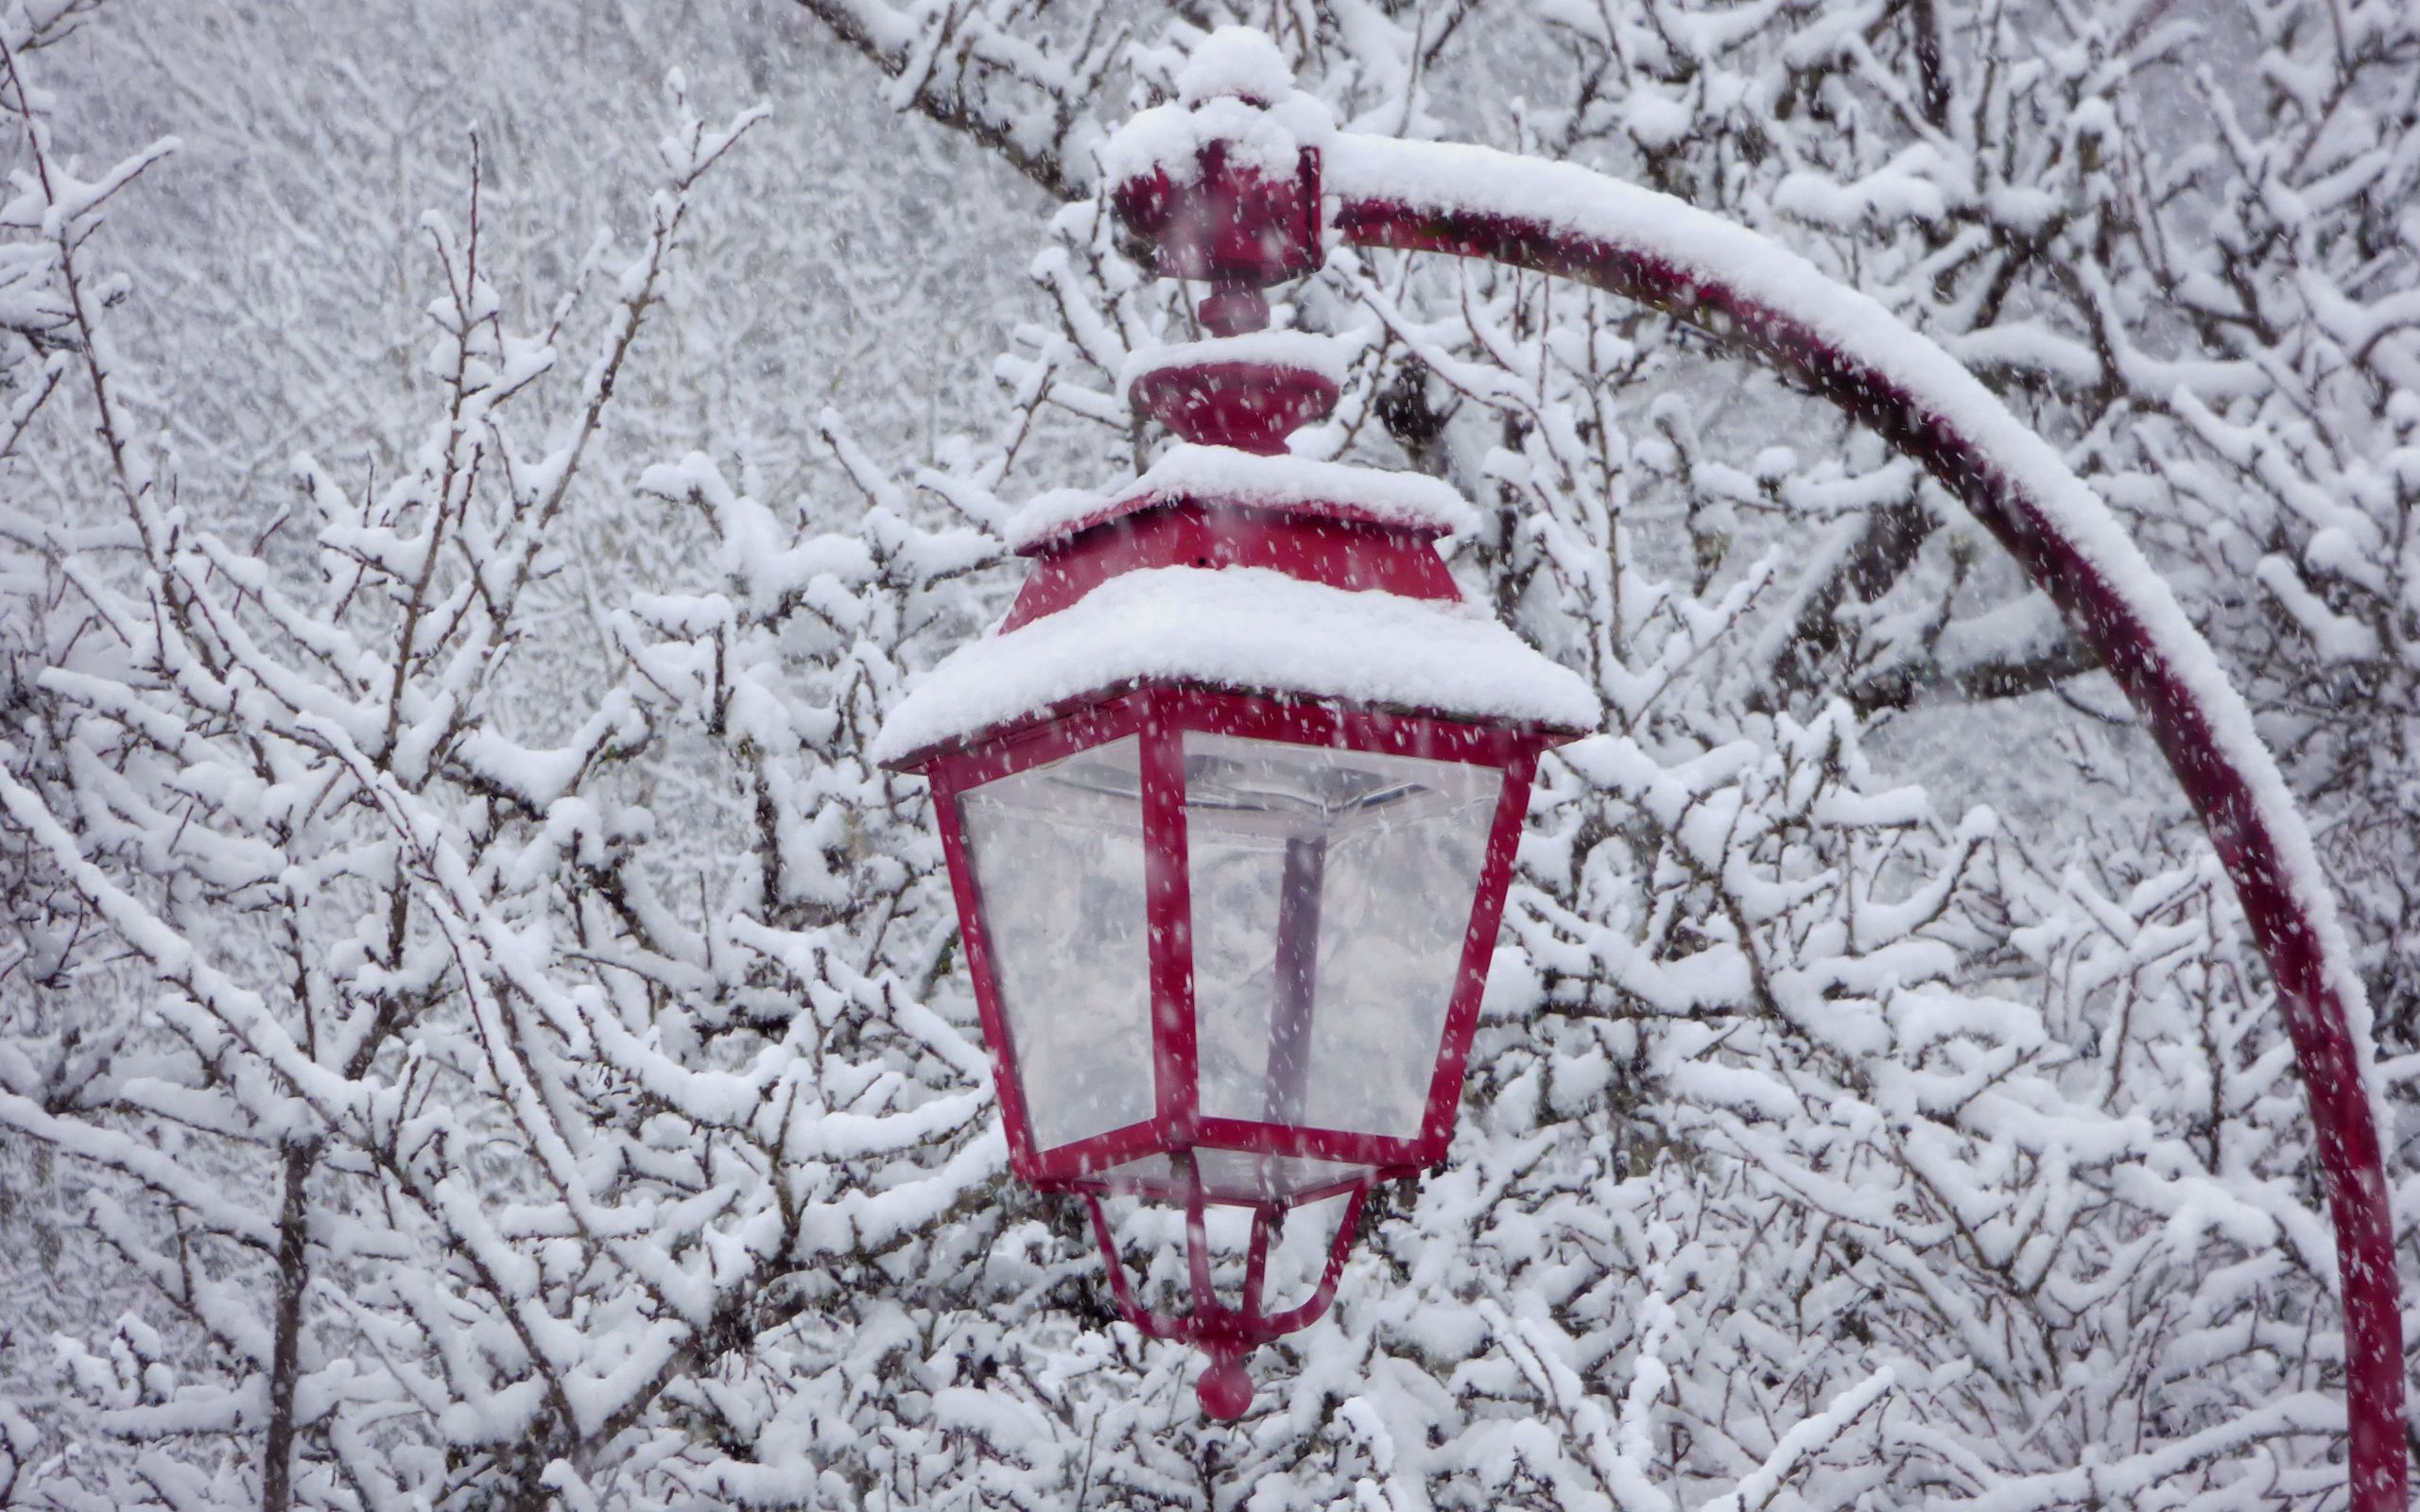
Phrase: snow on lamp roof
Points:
(1169, 138)
(1292, 485)
(1247, 628)
(1235, 90)
(1323, 355)
(1240, 62)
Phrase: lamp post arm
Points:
(1759, 300)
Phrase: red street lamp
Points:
(1233, 648)
(1229, 804)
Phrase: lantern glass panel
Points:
(1058, 856)
(1332, 893)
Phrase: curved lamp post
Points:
(1238, 183)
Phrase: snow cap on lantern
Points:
(1224, 180)
(1230, 800)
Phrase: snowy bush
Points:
(477, 1032)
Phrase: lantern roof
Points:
(1286, 484)
(1241, 627)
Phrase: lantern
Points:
(1230, 802)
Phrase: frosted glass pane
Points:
(1058, 852)
(1332, 892)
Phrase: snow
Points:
(1292, 485)
(1240, 61)
(1324, 356)
(1896, 193)
(1240, 627)
(1759, 1488)
(1235, 89)
(2013, 633)
(2337, 638)
(1655, 121)
(1167, 138)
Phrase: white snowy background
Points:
(478, 1032)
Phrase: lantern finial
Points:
(1224, 181)
(1225, 1387)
